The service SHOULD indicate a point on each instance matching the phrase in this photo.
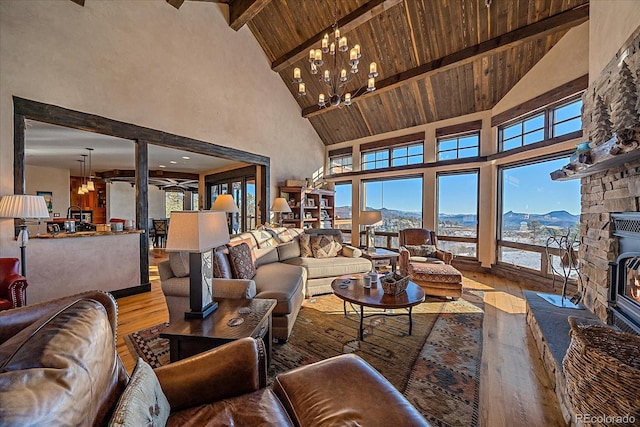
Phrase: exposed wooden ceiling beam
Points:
(79, 2)
(175, 3)
(353, 20)
(243, 11)
(559, 22)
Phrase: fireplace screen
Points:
(632, 286)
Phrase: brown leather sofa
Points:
(59, 366)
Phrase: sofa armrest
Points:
(234, 288)
(17, 319)
(16, 289)
(351, 251)
(226, 371)
(403, 260)
(165, 271)
(444, 256)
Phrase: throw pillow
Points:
(264, 238)
(305, 246)
(241, 263)
(179, 262)
(142, 403)
(248, 241)
(282, 234)
(324, 246)
(422, 250)
(288, 251)
(221, 266)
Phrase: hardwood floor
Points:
(514, 387)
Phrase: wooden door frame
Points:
(142, 137)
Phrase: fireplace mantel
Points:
(621, 149)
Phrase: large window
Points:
(340, 164)
(551, 122)
(458, 212)
(534, 207)
(399, 200)
(342, 210)
(411, 154)
(460, 146)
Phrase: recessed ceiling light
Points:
(186, 157)
(162, 166)
(173, 162)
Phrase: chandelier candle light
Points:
(337, 78)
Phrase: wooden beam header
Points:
(390, 142)
(459, 128)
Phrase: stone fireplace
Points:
(613, 191)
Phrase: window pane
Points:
(415, 149)
(413, 160)
(399, 162)
(511, 131)
(399, 211)
(343, 209)
(536, 136)
(532, 203)
(368, 157)
(447, 155)
(520, 257)
(534, 123)
(447, 144)
(468, 141)
(382, 155)
(400, 152)
(459, 248)
(458, 204)
(567, 127)
(567, 111)
(468, 152)
(512, 143)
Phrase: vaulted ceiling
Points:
(436, 59)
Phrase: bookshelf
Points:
(310, 208)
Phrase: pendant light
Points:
(80, 192)
(85, 190)
(90, 185)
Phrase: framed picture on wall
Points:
(48, 198)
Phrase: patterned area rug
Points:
(437, 367)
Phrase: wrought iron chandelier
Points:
(335, 75)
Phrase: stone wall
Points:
(616, 190)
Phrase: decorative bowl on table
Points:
(394, 284)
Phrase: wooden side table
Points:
(380, 254)
(192, 336)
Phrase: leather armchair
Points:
(420, 236)
(13, 286)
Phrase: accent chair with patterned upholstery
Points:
(427, 265)
(13, 286)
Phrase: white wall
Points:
(55, 180)
(612, 23)
(144, 62)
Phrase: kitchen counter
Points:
(68, 263)
(63, 235)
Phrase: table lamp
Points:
(281, 206)
(225, 203)
(198, 232)
(370, 219)
(23, 206)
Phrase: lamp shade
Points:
(197, 231)
(280, 205)
(225, 203)
(370, 218)
(23, 206)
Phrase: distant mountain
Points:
(512, 220)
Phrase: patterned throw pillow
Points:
(241, 263)
(305, 246)
(248, 241)
(422, 250)
(142, 403)
(324, 246)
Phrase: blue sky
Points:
(527, 189)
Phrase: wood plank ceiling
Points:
(437, 59)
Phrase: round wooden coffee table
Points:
(350, 288)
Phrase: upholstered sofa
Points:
(281, 273)
(60, 367)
